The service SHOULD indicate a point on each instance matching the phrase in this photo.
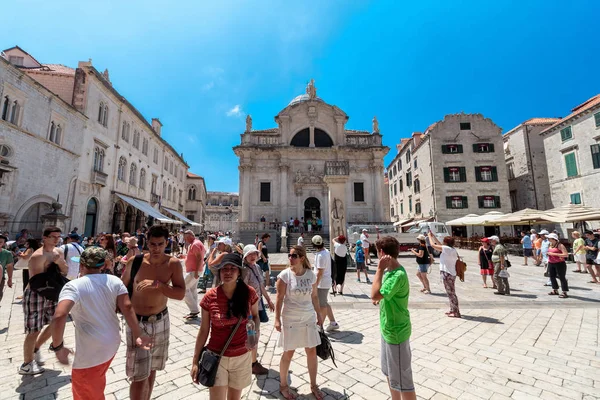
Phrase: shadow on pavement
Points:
(30, 384)
(346, 337)
(523, 296)
(579, 288)
(584, 298)
(3, 330)
(487, 320)
(356, 296)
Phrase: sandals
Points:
(426, 291)
(453, 315)
(317, 393)
(563, 295)
(485, 286)
(191, 316)
(287, 393)
(553, 293)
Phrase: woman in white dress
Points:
(297, 317)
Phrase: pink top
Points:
(195, 257)
(552, 258)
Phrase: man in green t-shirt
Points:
(6, 264)
(390, 290)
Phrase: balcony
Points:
(99, 178)
(337, 168)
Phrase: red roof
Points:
(541, 121)
(191, 175)
(54, 68)
(580, 109)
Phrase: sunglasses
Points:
(294, 256)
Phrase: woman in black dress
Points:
(340, 250)
(485, 261)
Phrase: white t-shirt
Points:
(97, 335)
(448, 260)
(75, 250)
(365, 240)
(300, 241)
(323, 261)
(340, 250)
(298, 301)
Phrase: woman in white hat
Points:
(557, 266)
(255, 279)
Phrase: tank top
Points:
(265, 250)
(552, 258)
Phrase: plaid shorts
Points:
(140, 363)
(38, 310)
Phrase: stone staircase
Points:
(292, 240)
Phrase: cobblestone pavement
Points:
(526, 346)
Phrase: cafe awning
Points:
(403, 221)
(416, 222)
(177, 214)
(146, 208)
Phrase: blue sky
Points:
(201, 66)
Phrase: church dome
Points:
(303, 97)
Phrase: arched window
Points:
(52, 133)
(174, 198)
(105, 120)
(166, 163)
(145, 146)
(98, 159)
(302, 138)
(136, 139)
(125, 132)
(169, 193)
(5, 108)
(121, 169)
(164, 191)
(58, 134)
(143, 179)
(14, 115)
(101, 113)
(192, 193)
(132, 174)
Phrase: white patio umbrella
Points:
(487, 218)
(526, 216)
(462, 221)
(572, 213)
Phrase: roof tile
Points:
(594, 101)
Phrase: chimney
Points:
(156, 125)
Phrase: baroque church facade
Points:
(312, 166)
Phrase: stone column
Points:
(312, 136)
(283, 194)
(377, 179)
(245, 192)
(336, 207)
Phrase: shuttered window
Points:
(455, 174)
(452, 148)
(486, 174)
(483, 148)
(265, 192)
(571, 164)
(488, 201)
(576, 198)
(596, 155)
(456, 202)
(566, 133)
(597, 119)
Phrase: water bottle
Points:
(251, 339)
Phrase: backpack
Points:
(135, 267)
(66, 252)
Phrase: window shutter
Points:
(571, 165)
(446, 175)
(491, 147)
(597, 119)
(494, 174)
(463, 174)
(480, 201)
(497, 201)
(573, 199)
(459, 148)
(475, 148)
(477, 174)
(465, 202)
(448, 202)
(595, 148)
(444, 149)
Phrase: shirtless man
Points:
(151, 290)
(37, 309)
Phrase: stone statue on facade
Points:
(248, 123)
(337, 217)
(375, 125)
(311, 170)
(298, 176)
(311, 90)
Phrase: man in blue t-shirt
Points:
(527, 246)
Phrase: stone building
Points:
(456, 167)
(126, 174)
(195, 205)
(526, 165)
(311, 166)
(222, 212)
(572, 147)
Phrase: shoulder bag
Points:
(325, 349)
(208, 363)
(460, 266)
(135, 267)
(262, 314)
(490, 263)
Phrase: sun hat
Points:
(231, 259)
(552, 236)
(365, 230)
(544, 232)
(249, 249)
(494, 238)
(225, 240)
(92, 257)
(421, 237)
(317, 240)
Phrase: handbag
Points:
(503, 274)
(490, 263)
(208, 363)
(461, 267)
(325, 350)
(48, 284)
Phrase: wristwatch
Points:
(57, 348)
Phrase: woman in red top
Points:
(222, 307)
(557, 266)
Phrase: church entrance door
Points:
(312, 208)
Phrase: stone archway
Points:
(91, 218)
(312, 208)
(129, 219)
(118, 219)
(32, 221)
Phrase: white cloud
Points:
(236, 111)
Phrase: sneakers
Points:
(30, 369)
(333, 326)
(258, 369)
(39, 359)
(358, 280)
(368, 281)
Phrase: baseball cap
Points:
(74, 235)
(225, 240)
(485, 240)
(92, 257)
(231, 259)
(552, 236)
(494, 238)
(317, 240)
(365, 230)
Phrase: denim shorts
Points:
(423, 268)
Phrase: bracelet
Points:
(57, 348)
